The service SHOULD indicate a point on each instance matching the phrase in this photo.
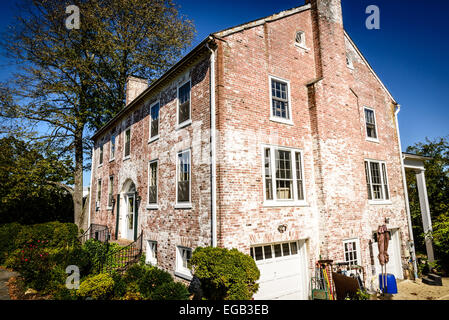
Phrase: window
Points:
(127, 142)
(110, 188)
(370, 121)
(376, 180)
(97, 203)
(183, 256)
(112, 150)
(349, 63)
(351, 252)
(283, 175)
(280, 100)
(152, 182)
(154, 121)
(183, 177)
(100, 161)
(151, 254)
(184, 103)
(273, 251)
(300, 39)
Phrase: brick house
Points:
(275, 137)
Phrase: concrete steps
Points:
(122, 242)
(432, 280)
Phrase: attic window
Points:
(300, 39)
(349, 62)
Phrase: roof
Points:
(413, 156)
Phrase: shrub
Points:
(152, 279)
(8, 234)
(56, 233)
(120, 286)
(170, 291)
(96, 252)
(225, 274)
(97, 287)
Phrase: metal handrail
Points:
(96, 231)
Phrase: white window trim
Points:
(272, 117)
(378, 201)
(303, 44)
(153, 206)
(156, 137)
(110, 188)
(349, 62)
(98, 197)
(184, 205)
(189, 121)
(357, 243)
(110, 147)
(283, 203)
(375, 125)
(180, 271)
(100, 157)
(126, 157)
(148, 258)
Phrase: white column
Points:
(425, 212)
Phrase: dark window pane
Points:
(277, 250)
(267, 251)
(184, 177)
(155, 120)
(285, 249)
(127, 142)
(268, 177)
(184, 103)
(258, 252)
(294, 247)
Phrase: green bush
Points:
(170, 291)
(8, 234)
(97, 287)
(96, 253)
(225, 274)
(120, 286)
(152, 279)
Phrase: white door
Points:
(131, 201)
(394, 265)
(283, 271)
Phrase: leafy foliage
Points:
(97, 287)
(437, 183)
(225, 274)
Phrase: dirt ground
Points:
(416, 290)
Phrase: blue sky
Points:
(409, 52)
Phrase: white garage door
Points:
(394, 265)
(283, 271)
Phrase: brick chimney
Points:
(134, 87)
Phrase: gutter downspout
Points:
(90, 188)
(407, 205)
(213, 147)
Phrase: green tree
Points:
(437, 183)
(71, 81)
(28, 184)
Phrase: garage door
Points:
(394, 265)
(283, 271)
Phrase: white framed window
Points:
(377, 181)
(300, 39)
(283, 176)
(98, 199)
(183, 179)
(274, 251)
(152, 184)
(183, 256)
(151, 253)
(184, 104)
(154, 121)
(351, 250)
(127, 143)
(110, 190)
(370, 124)
(112, 146)
(280, 101)
(100, 157)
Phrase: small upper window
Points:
(280, 105)
(370, 121)
(154, 120)
(112, 151)
(100, 161)
(127, 142)
(300, 39)
(184, 103)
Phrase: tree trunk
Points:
(80, 218)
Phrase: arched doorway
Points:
(128, 211)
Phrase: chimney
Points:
(134, 87)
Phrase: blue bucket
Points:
(390, 282)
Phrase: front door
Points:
(131, 202)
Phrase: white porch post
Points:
(425, 212)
